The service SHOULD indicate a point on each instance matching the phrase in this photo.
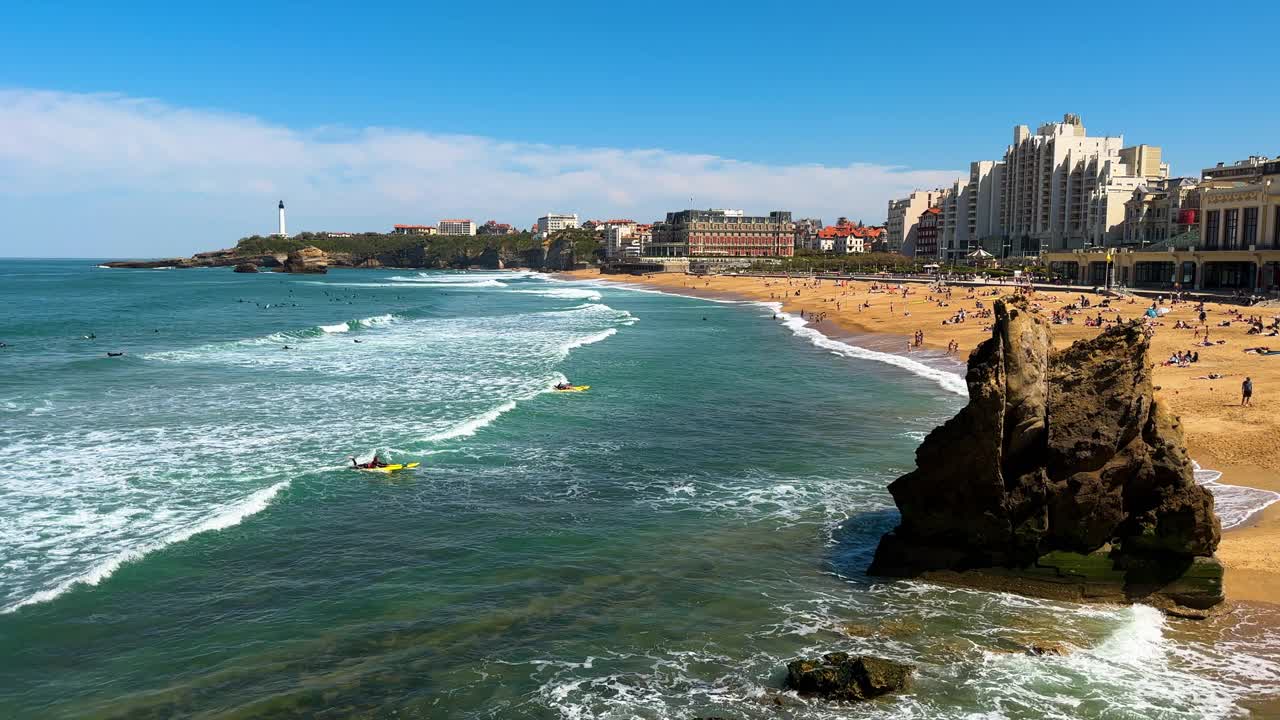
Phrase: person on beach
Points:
(1246, 392)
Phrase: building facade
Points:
(723, 233)
(457, 227)
(928, 226)
(807, 233)
(846, 238)
(902, 219)
(413, 230)
(624, 238)
(1161, 210)
(1234, 243)
(553, 222)
(1062, 189)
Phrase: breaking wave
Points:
(224, 518)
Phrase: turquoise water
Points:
(178, 536)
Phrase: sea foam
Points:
(948, 380)
(225, 517)
(472, 425)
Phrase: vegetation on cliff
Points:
(373, 244)
(432, 250)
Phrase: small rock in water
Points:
(837, 676)
(1047, 648)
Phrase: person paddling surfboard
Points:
(376, 462)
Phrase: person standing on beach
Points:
(1246, 391)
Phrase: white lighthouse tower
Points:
(281, 232)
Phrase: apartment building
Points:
(1063, 189)
(1234, 243)
(903, 216)
(553, 222)
(625, 238)
(457, 227)
(928, 226)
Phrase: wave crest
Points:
(224, 518)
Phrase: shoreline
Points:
(1249, 552)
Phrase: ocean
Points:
(180, 534)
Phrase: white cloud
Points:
(73, 145)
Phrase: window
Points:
(1275, 231)
(1230, 229)
(1211, 229)
(1250, 227)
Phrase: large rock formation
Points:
(1061, 477)
(307, 260)
(837, 676)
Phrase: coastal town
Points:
(754, 362)
(1082, 209)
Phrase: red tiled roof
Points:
(856, 231)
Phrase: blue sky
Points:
(131, 117)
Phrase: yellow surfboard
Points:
(390, 468)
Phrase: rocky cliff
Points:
(1061, 477)
(306, 260)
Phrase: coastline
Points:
(1221, 435)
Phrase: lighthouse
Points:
(281, 232)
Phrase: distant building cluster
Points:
(1221, 232)
(1057, 188)
(1100, 212)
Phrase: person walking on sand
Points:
(1246, 391)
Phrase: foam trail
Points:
(376, 320)
(448, 280)
(949, 381)
(473, 425)
(228, 517)
(338, 328)
(565, 293)
(1234, 504)
(588, 340)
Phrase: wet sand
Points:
(1241, 442)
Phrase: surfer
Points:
(376, 462)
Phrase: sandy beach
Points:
(1221, 434)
